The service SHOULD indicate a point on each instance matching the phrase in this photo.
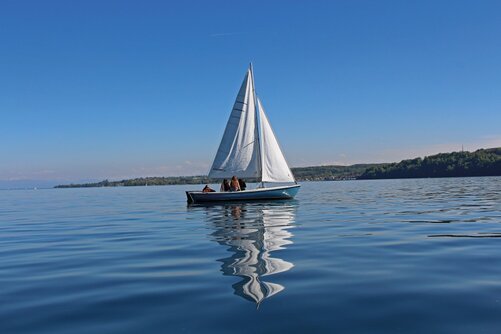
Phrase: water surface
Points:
(386, 256)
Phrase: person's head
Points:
(234, 178)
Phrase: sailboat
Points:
(249, 149)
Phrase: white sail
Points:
(273, 164)
(238, 153)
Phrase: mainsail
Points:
(238, 151)
(249, 148)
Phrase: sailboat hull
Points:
(275, 193)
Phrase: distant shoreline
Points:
(316, 173)
(483, 162)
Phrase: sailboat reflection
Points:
(253, 232)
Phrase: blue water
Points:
(388, 256)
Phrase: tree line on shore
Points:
(483, 162)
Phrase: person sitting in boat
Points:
(208, 189)
(234, 186)
(225, 186)
(242, 184)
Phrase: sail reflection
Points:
(252, 232)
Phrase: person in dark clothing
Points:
(242, 184)
(208, 189)
(225, 186)
(234, 186)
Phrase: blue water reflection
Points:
(252, 232)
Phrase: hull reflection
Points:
(252, 232)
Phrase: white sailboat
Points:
(249, 149)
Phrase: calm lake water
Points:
(387, 256)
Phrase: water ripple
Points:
(379, 256)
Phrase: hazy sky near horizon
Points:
(117, 89)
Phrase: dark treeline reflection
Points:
(252, 232)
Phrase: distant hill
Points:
(483, 162)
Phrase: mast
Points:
(258, 124)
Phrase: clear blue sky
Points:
(112, 89)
